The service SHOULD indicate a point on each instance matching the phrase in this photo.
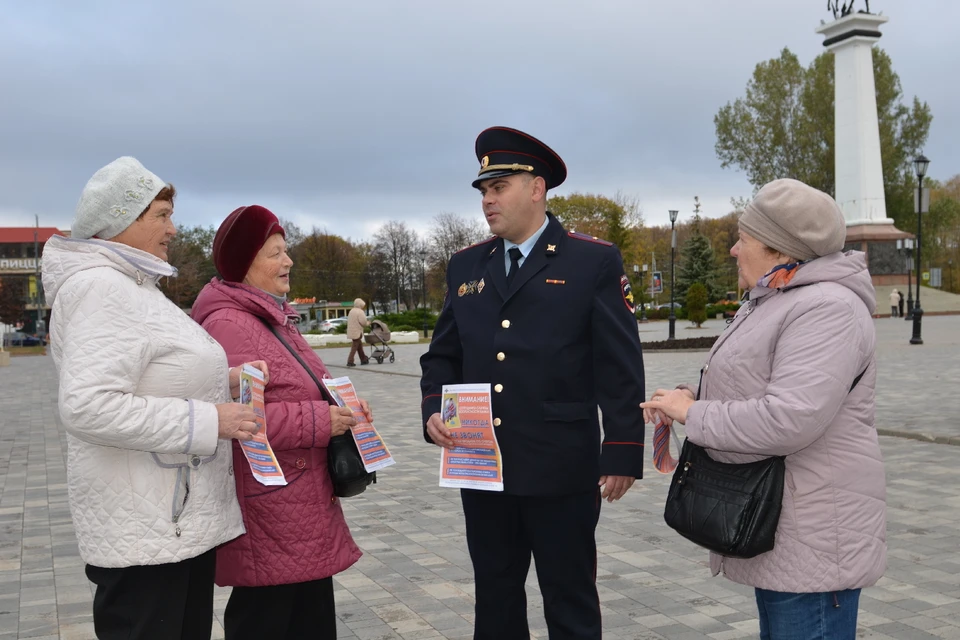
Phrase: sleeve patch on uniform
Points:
(627, 292)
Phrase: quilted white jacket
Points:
(149, 481)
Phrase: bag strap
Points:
(320, 385)
(853, 386)
(856, 380)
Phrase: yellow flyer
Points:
(372, 448)
(266, 469)
(475, 463)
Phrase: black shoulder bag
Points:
(350, 477)
(730, 509)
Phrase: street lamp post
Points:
(673, 252)
(906, 246)
(423, 288)
(643, 284)
(920, 164)
(40, 329)
(638, 290)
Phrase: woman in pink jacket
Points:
(778, 383)
(297, 538)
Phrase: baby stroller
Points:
(378, 337)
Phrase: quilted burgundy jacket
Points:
(777, 382)
(297, 532)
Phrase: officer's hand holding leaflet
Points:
(439, 433)
(615, 487)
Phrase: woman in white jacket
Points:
(145, 401)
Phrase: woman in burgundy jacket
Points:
(297, 538)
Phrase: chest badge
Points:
(480, 286)
(467, 288)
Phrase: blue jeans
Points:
(808, 616)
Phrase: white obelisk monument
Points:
(857, 160)
(859, 174)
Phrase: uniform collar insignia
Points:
(551, 248)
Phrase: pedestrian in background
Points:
(356, 321)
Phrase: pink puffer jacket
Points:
(777, 382)
(294, 533)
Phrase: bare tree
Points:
(633, 214)
(292, 233)
(451, 233)
(376, 277)
(397, 245)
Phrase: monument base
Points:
(879, 241)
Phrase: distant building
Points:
(19, 268)
(320, 310)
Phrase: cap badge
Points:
(485, 162)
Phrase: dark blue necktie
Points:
(515, 256)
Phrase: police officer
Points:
(545, 316)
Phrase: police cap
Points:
(503, 151)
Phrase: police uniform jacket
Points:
(557, 344)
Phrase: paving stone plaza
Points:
(415, 579)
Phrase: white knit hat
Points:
(114, 198)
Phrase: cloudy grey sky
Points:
(343, 115)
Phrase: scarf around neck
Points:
(780, 276)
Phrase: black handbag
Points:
(730, 509)
(349, 476)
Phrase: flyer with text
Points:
(266, 469)
(475, 463)
(372, 448)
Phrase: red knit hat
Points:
(239, 239)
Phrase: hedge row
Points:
(409, 320)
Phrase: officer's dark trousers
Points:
(171, 601)
(502, 533)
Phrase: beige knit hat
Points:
(114, 198)
(795, 219)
